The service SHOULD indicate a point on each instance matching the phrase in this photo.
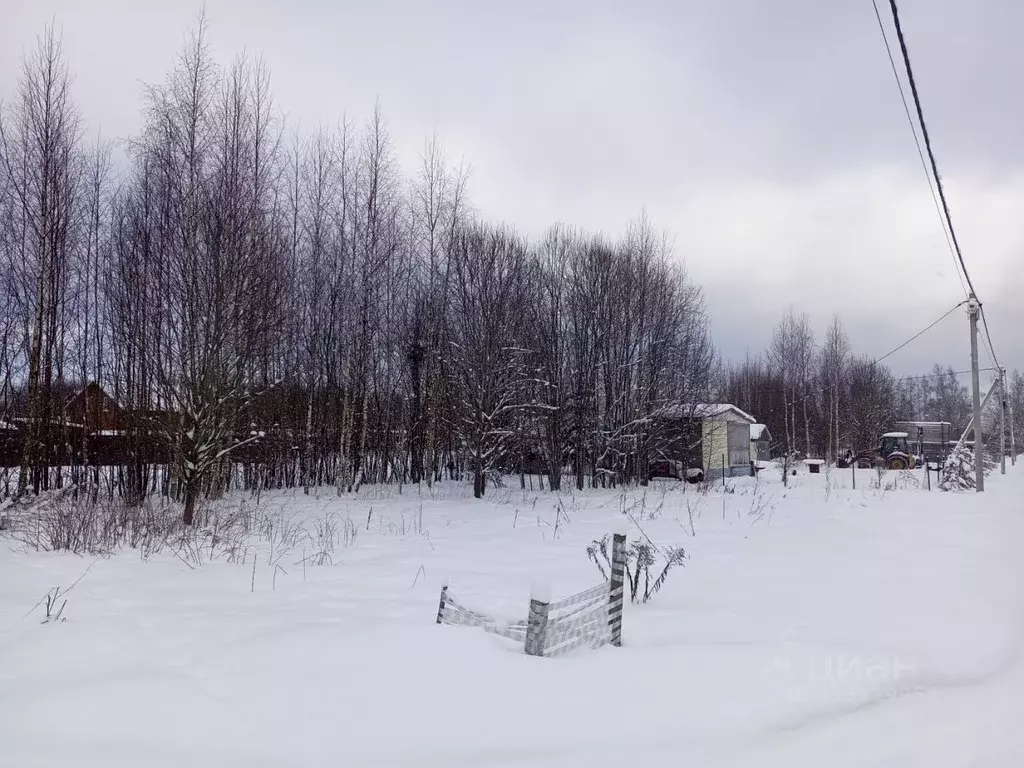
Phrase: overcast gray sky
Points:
(767, 136)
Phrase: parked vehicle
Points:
(668, 468)
(893, 452)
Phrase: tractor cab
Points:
(895, 453)
(894, 442)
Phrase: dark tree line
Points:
(276, 307)
(273, 308)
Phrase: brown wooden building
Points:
(94, 409)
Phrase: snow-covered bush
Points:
(60, 521)
(239, 532)
(69, 520)
(958, 471)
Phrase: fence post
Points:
(853, 473)
(723, 470)
(440, 605)
(618, 579)
(537, 621)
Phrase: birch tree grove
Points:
(265, 306)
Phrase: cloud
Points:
(867, 246)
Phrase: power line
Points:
(918, 335)
(917, 142)
(988, 350)
(846, 379)
(928, 142)
(934, 165)
(988, 336)
(940, 375)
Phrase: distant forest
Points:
(243, 288)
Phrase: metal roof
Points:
(703, 411)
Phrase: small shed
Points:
(760, 443)
(933, 440)
(717, 437)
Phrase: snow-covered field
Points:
(810, 626)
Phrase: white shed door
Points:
(739, 444)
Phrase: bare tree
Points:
(792, 354)
(317, 260)
(588, 308)
(486, 361)
(781, 357)
(41, 159)
(834, 360)
(218, 265)
(872, 400)
(548, 332)
(945, 398)
(1015, 398)
(90, 310)
(437, 210)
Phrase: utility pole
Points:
(974, 309)
(1002, 421)
(1013, 443)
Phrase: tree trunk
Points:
(478, 479)
(555, 456)
(188, 518)
(807, 428)
(785, 416)
(307, 453)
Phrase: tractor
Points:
(892, 453)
